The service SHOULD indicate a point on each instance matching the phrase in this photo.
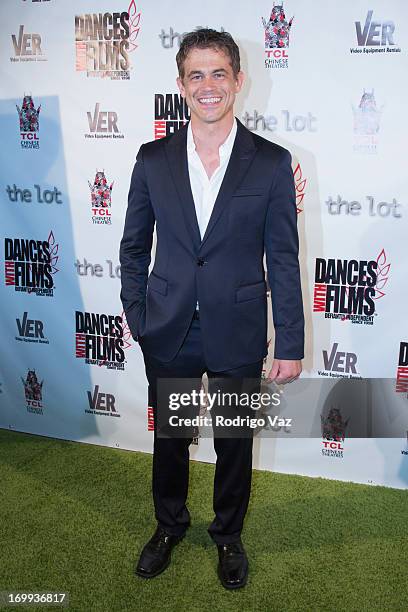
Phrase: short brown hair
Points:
(205, 38)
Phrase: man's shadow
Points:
(66, 379)
(262, 95)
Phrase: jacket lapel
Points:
(176, 151)
(242, 154)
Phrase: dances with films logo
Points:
(30, 265)
(374, 37)
(170, 114)
(27, 47)
(101, 199)
(33, 393)
(101, 339)
(402, 369)
(333, 433)
(349, 289)
(29, 118)
(103, 42)
(366, 126)
(277, 30)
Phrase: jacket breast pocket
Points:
(248, 192)
(156, 283)
(250, 292)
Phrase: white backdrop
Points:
(334, 96)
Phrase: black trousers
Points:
(233, 469)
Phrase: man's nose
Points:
(208, 82)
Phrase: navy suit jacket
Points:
(255, 212)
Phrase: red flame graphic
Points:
(300, 184)
(382, 270)
(53, 253)
(126, 332)
(134, 19)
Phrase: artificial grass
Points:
(74, 518)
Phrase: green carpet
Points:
(75, 516)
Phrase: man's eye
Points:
(219, 75)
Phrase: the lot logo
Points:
(29, 123)
(33, 393)
(42, 196)
(277, 30)
(101, 339)
(300, 186)
(27, 47)
(354, 208)
(103, 124)
(168, 39)
(86, 268)
(333, 433)
(30, 265)
(30, 330)
(170, 114)
(101, 199)
(101, 403)
(366, 127)
(375, 36)
(402, 369)
(103, 42)
(339, 364)
(271, 123)
(348, 289)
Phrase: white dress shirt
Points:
(204, 189)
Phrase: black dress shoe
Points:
(156, 555)
(233, 565)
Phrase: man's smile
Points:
(209, 101)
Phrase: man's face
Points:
(209, 85)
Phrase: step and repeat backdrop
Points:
(84, 84)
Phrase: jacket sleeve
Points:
(135, 247)
(281, 244)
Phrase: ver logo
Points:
(375, 33)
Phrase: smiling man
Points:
(220, 197)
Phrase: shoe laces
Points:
(232, 548)
(160, 539)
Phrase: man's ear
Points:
(240, 78)
(181, 87)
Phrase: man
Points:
(220, 197)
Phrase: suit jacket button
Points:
(200, 261)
